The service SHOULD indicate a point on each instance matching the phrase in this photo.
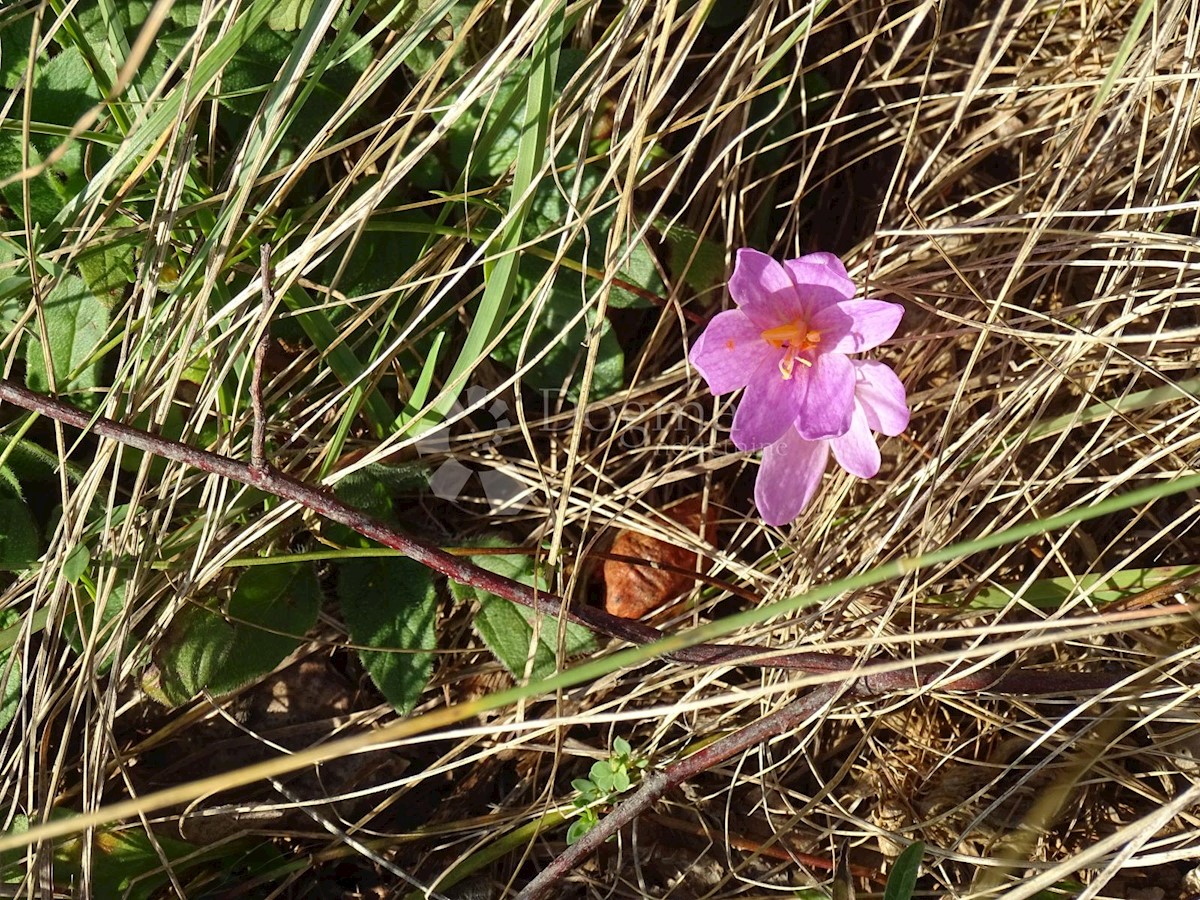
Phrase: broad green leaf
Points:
(290, 15)
(902, 880)
(10, 673)
(380, 256)
(550, 211)
(9, 482)
(500, 276)
(75, 324)
(15, 35)
(271, 609)
(63, 92)
(254, 70)
(508, 629)
(390, 604)
(561, 369)
(19, 543)
(371, 488)
(426, 53)
(47, 193)
(107, 266)
(10, 860)
(698, 261)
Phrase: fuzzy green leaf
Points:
(14, 49)
(10, 673)
(508, 629)
(19, 543)
(75, 325)
(561, 369)
(390, 603)
(268, 615)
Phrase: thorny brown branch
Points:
(456, 568)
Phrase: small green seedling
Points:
(608, 779)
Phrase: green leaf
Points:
(75, 324)
(10, 673)
(578, 829)
(19, 544)
(500, 276)
(107, 266)
(902, 880)
(63, 92)
(621, 780)
(290, 15)
(698, 261)
(1051, 593)
(78, 628)
(48, 191)
(390, 603)
(15, 36)
(507, 628)
(602, 776)
(550, 211)
(11, 859)
(484, 141)
(255, 69)
(561, 369)
(268, 615)
(76, 563)
(128, 864)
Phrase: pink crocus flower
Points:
(787, 345)
(792, 467)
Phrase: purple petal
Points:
(788, 477)
(871, 323)
(855, 450)
(829, 260)
(819, 282)
(768, 407)
(828, 400)
(728, 350)
(881, 395)
(763, 290)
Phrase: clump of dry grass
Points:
(1020, 176)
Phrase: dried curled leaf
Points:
(664, 572)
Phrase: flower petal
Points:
(728, 350)
(872, 323)
(855, 450)
(881, 395)
(829, 260)
(768, 407)
(763, 290)
(788, 478)
(820, 280)
(828, 400)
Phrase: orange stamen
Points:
(793, 338)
